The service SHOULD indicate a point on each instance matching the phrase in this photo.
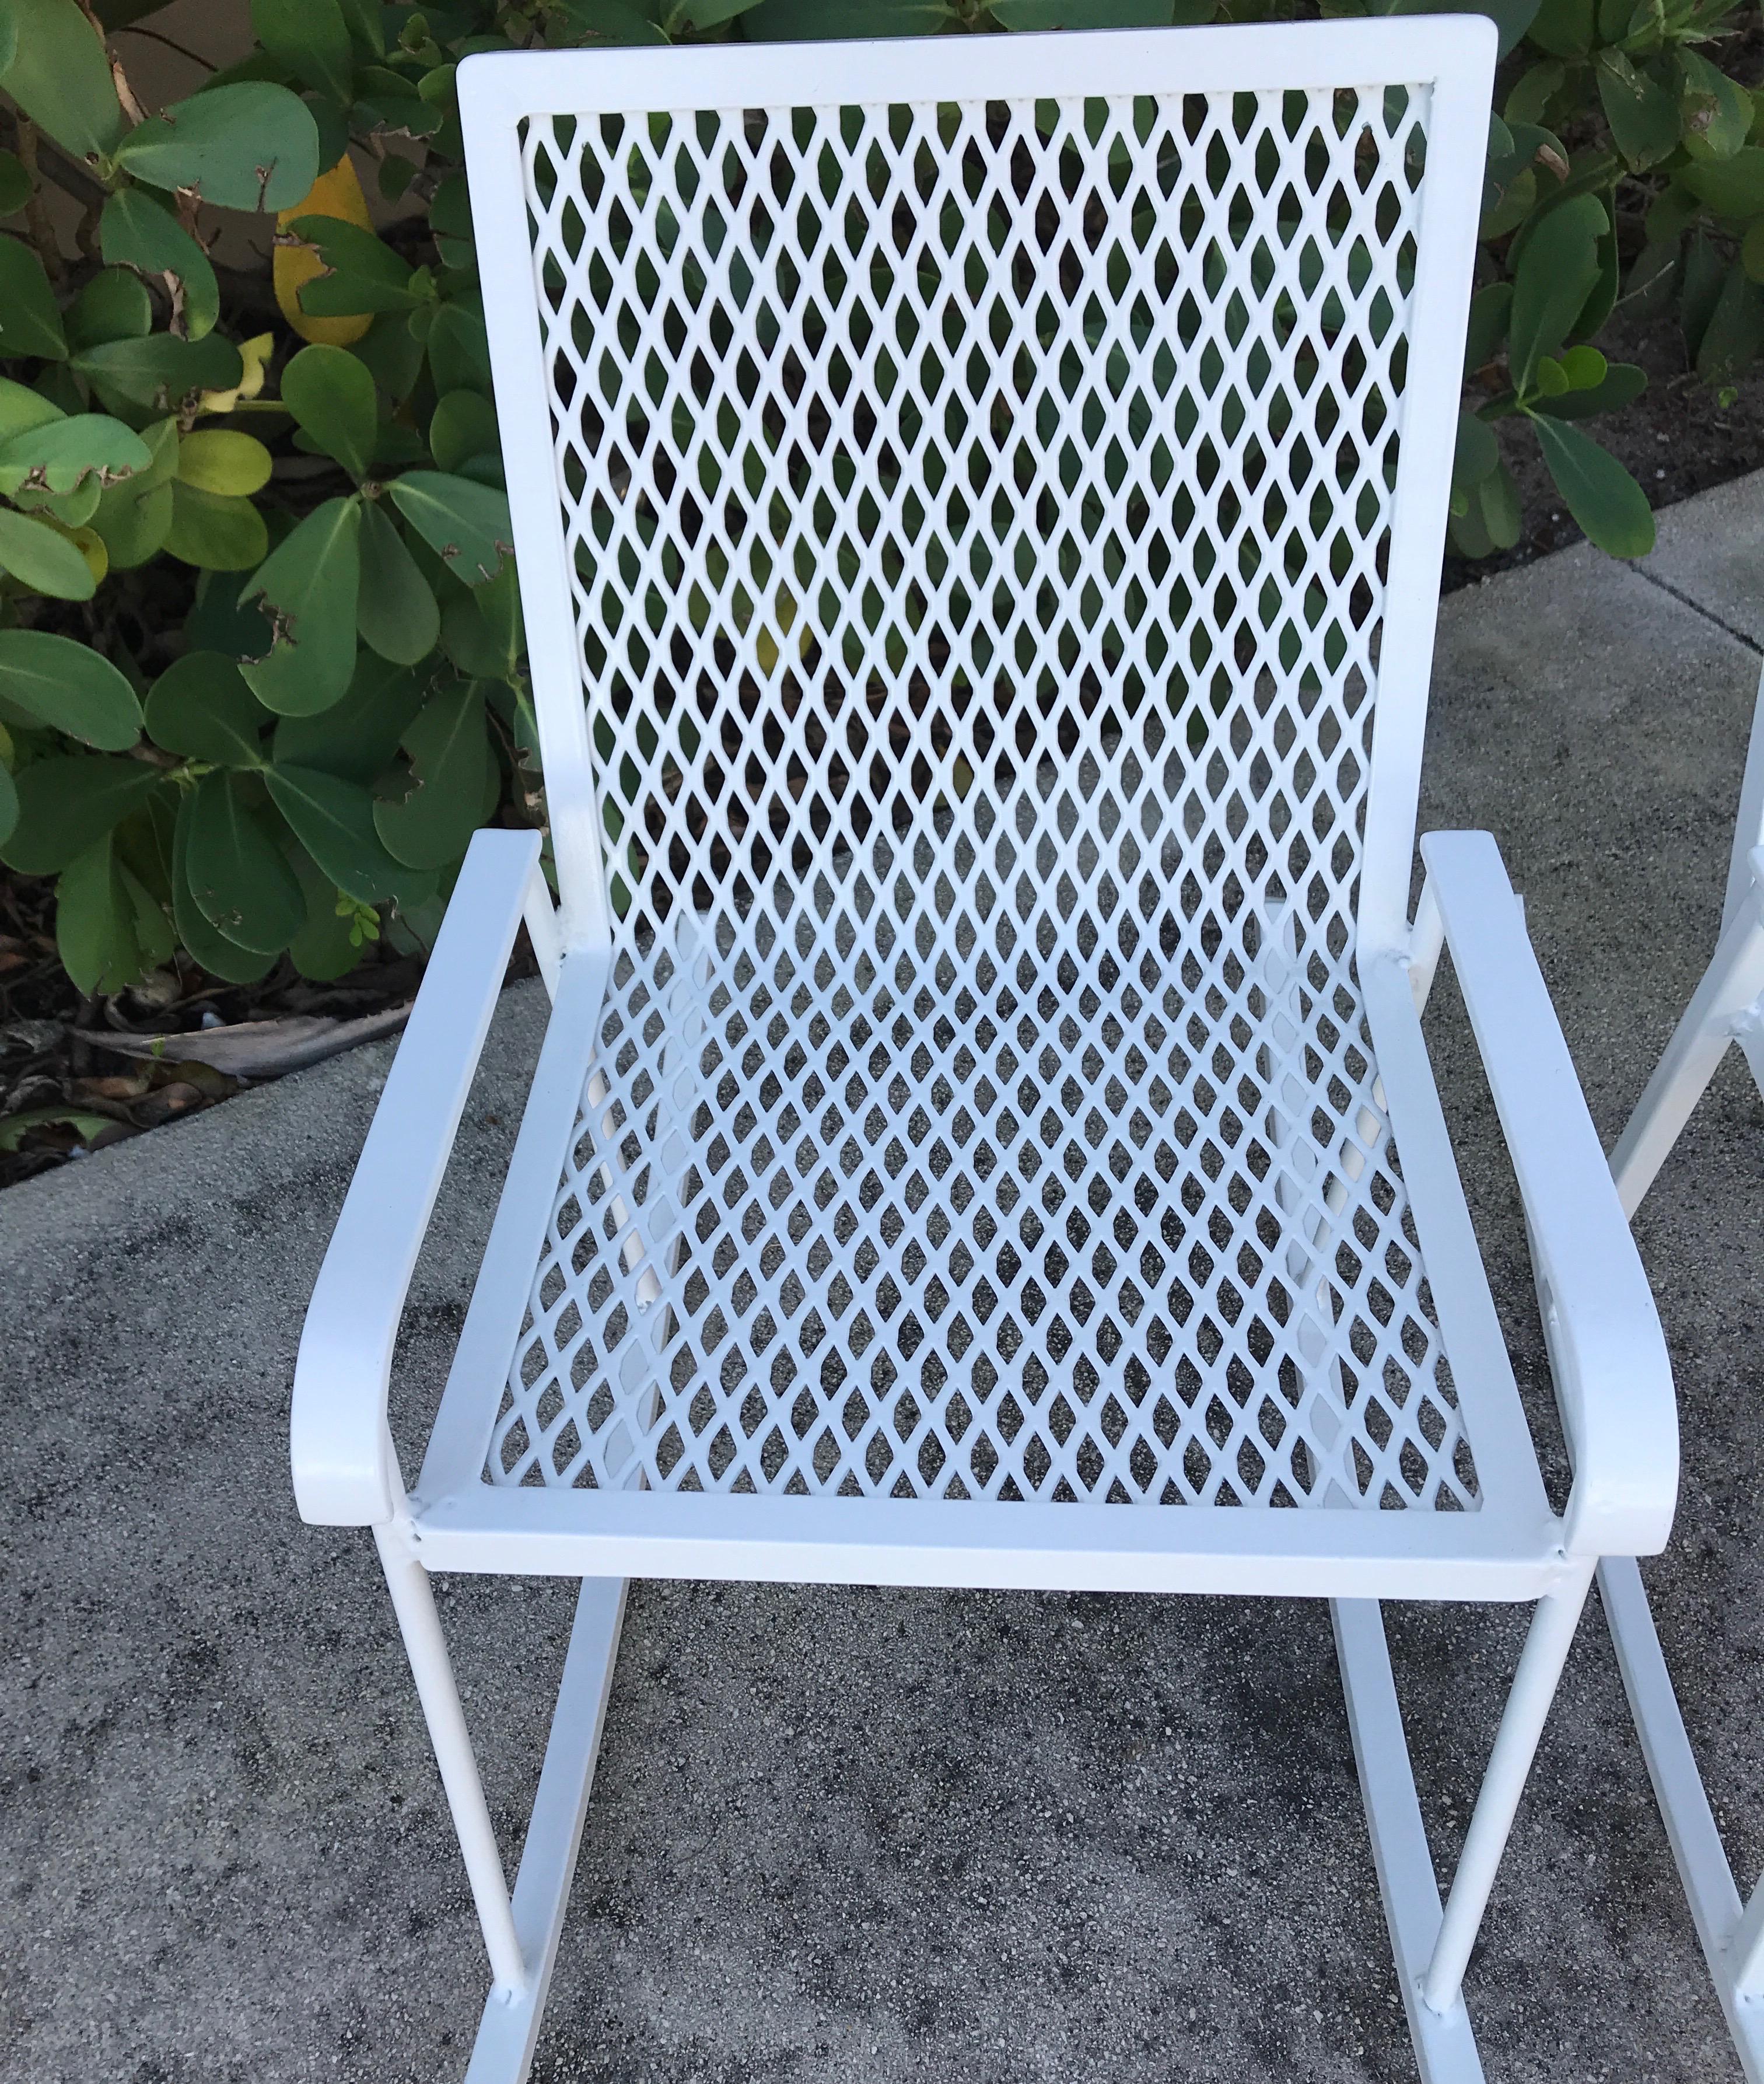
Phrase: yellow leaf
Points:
(217, 459)
(337, 193)
(255, 354)
(92, 547)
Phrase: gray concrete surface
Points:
(845, 1834)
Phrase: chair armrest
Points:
(345, 1473)
(1613, 1378)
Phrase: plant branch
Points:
(56, 166)
(183, 50)
(36, 216)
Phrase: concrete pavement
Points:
(873, 1834)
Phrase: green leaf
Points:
(449, 210)
(309, 585)
(9, 803)
(1732, 188)
(15, 182)
(22, 408)
(464, 427)
(396, 612)
(1500, 507)
(1703, 276)
(334, 821)
(72, 510)
(1583, 368)
(1644, 118)
(366, 24)
(393, 355)
(1565, 28)
(113, 305)
(1598, 491)
(239, 876)
(68, 803)
(1511, 18)
(467, 525)
(212, 949)
(59, 76)
(30, 319)
(396, 173)
(330, 392)
(1557, 268)
(43, 558)
(13, 1128)
(609, 21)
(134, 516)
(59, 457)
(332, 119)
(1715, 108)
(362, 273)
(357, 739)
(250, 146)
(483, 650)
(430, 824)
(161, 372)
(1532, 92)
(1478, 451)
(449, 225)
(1601, 299)
(70, 687)
(323, 949)
(201, 706)
(221, 460)
(138, 232)
(311, 39)
(1735, 331)
(216, 622)
(1622, 384)
(1083, 14)
(214, 532)
(109, 929)
(459, 350)
(789, 21)
(401, 112)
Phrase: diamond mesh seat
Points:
(870, 1201)
(990, 496)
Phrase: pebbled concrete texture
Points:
(860, 1834)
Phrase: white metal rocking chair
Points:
(992, 491)
(1727, 1007)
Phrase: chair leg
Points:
(1730, 986)
(520, 1934)
(414, 1603)
(510, 2028)
(1433, 1946)
(1444, 2044)
(1732, 1938)
(1546, 1652)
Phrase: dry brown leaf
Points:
(256, 1049)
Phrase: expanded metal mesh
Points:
(977, 516)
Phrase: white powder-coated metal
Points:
(1726, 1009)
(976, 513)
(978, 506)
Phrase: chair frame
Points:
(1613, 1380)
(1727, 1008)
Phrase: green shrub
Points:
(261, 665)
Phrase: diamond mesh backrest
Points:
(905, 449)
(976, 516)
